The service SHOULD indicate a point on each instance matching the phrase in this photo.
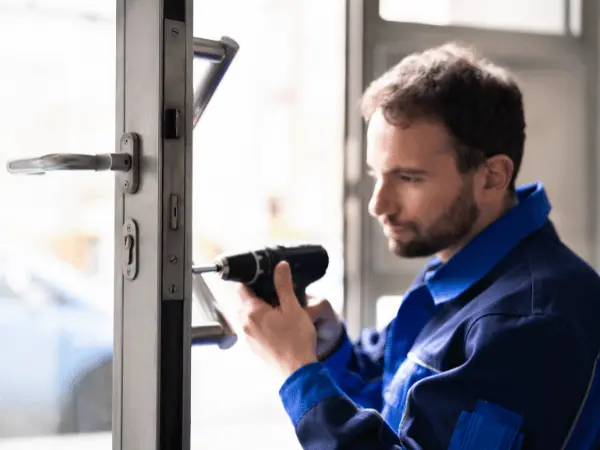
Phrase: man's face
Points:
(424, 204)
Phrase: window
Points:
(386, 309)
(535, 16)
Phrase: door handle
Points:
(220, 54)
(120, 162)
(216, 330)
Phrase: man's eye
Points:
(408, 178)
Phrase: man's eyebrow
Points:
(400, 171)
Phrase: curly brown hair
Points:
(478, 102)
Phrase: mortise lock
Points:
(129, 249)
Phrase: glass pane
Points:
(535, 16)
(575, 17)
(267, 170)
(386, 309)
(56, 251)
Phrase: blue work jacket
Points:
(496, 349)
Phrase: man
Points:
(495, 345)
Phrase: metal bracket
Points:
(130, 180)
(129, 249)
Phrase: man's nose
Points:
(380, 202)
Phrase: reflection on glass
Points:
(56, 247)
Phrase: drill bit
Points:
(205, 269)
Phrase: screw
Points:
(172, 289)
(173, 259)
(128, 227)
(175, 32)
(126, 184)
(128, 271)
(126, 141)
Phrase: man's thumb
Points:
(283, 283)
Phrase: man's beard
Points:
(449, 230)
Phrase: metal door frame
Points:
(158, 104)
(153, 306)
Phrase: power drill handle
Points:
(265, 289)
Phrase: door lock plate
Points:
(130, 181)
(129, 253)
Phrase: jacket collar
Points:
(483, 252)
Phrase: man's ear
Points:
(499, 172)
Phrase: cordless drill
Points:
(255, 269)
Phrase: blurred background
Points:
(290, 117)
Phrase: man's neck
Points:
(486, 218)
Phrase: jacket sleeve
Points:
(326, 418)
(521, 387)
(357, 367)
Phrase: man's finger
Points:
(284, 285)
(248, 306)
(245, 292)
(249, 302)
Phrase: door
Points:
(547, 58)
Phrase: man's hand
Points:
(284, 336)
(328, 325)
